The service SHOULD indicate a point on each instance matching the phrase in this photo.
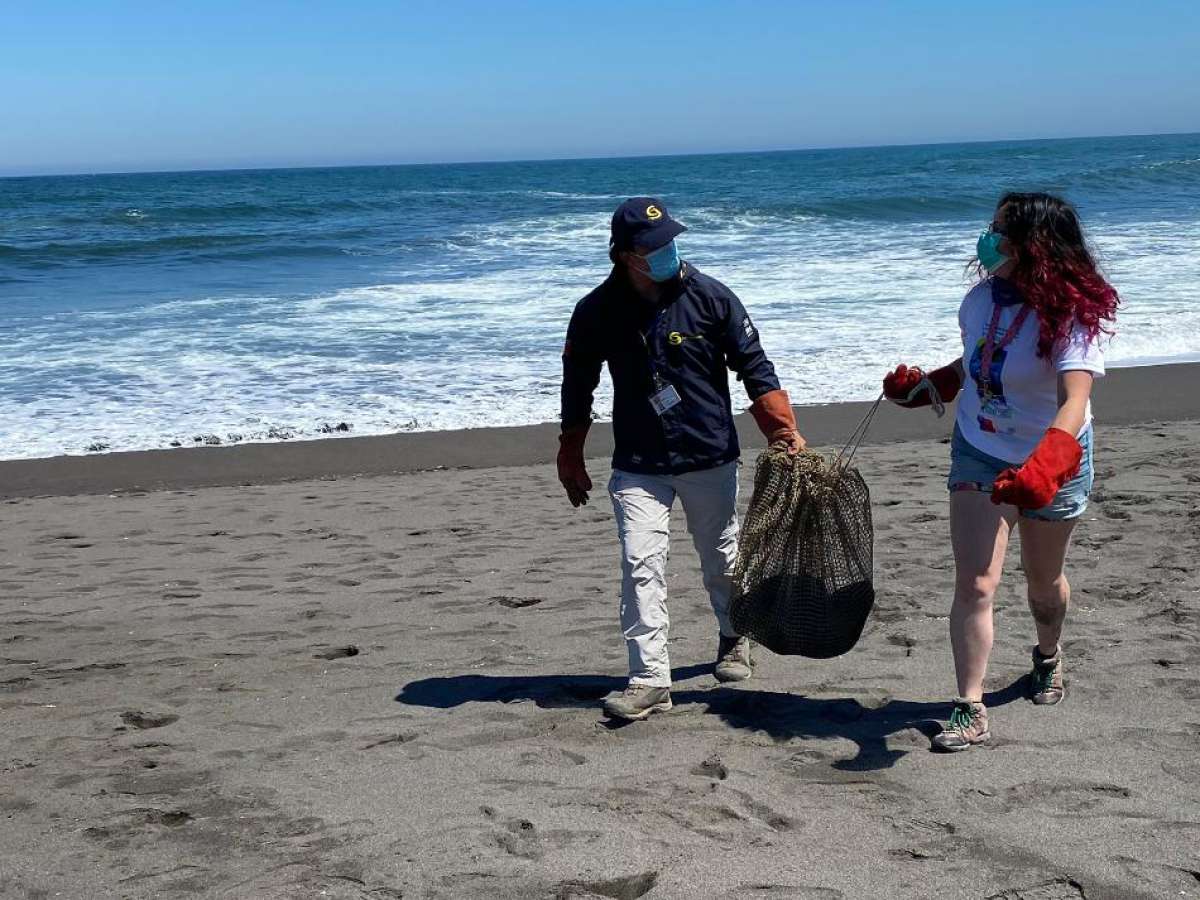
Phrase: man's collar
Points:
(619, 281)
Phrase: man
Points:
(668, 333)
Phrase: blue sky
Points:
(129, 86)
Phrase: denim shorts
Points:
(974, 470)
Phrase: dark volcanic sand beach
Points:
(388, 685)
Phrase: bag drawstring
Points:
(842, 463)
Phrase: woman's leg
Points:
(979, 531)
(1043, 554)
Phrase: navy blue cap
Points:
(643, 223)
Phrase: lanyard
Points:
(990, 346)
(653, 329)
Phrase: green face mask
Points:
(987, 248)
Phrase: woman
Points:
(1032, 330)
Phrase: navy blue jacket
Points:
(697, 331)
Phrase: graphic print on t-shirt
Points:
(994, 410)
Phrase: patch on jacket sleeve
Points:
(748, 327)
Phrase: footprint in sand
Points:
(143, 721)
(790, 891)
(1170, 880)
(338, 652)
(1071, 796)
(523, 839)
(628, 888)
(134, 820)
(712, 768)
(1056, 889)
(545, 757)
(15, 804)
(389, 740)
(516, 602)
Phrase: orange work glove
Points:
(571, 470)
(1053, 463)
(773, 414)
(905, 387)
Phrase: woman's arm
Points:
(1056, 458)
(903, 385)
(1074, 391)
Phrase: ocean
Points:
(175, 309)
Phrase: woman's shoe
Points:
(968, 726)
(1046, 681)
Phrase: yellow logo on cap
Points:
(653, 213)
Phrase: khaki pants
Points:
(642, 504)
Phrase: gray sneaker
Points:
(967, 727)
(734, 662)
(637, 702)
(1046, 680)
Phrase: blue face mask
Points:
(663, 263)
(987, 248)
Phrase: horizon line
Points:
(200, 170)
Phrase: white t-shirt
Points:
(1024, 386)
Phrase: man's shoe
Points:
(967, 727)
(637, 702)
(1046, 681)
(734, 662)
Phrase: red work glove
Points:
(904, 386)
(773, 414)
(571, 471)
(1053, 463)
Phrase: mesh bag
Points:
(802, 583)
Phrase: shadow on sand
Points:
(782, 716)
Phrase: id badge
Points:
(665, 399)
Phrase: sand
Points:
(388, 686)
(1125, 397)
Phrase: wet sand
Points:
(388, 685)
(1124, 397)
